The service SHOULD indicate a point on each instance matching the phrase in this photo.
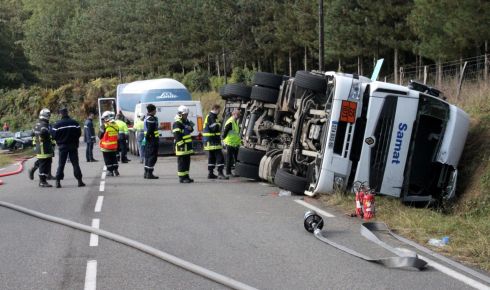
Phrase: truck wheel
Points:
(266, 95)
(239, 90)
(250, 156)
(307, 80)
(247, 170)
(269, 80)
(291, 182)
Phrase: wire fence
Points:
(450, 76)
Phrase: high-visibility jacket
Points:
(212, 132)
(123, 129)
(139, 127)
(108, 142)
(231, 133)
(182, 130)
(42, 140)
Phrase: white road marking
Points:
(105, 168)
(102, 186)
(98, 204)
(91, 275)
(94, 239)
(319, 211)
(456, 275)
(103, 175)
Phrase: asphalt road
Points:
(238, 228)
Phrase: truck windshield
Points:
(429, 128)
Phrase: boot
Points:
(185, 180)
(116, 172)
(211, 175)
(50, 177)
(222, 176)
(31, 172)
(43, 182)
(188, 178)
(94, 160)
(150, 175)
(80, 183)
(146, 174)
(58, 183)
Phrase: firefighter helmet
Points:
(108, 116)
(45, 114)
(183, 110)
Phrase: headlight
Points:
(355, 89)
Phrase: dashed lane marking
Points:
(102, 186)
(319, 211)
(98, 204)
(91, 275)
(94, 239)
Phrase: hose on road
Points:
(229, 282)
(17, 171)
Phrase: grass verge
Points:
(10, 158)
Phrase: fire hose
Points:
(404, 258)
(213, 276)
(17, 171)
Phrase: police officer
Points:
(212, 143)
(43, 147)
(151, 141)
(89, 137)
(231, 138)
(182, 129)
(108, 136)
(67, 133)
(139, 128)
(123, 138)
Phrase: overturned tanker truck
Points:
(322, 131)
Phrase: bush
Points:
(196, 81)
(216, 83)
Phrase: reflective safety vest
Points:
(233, 137)
(123, 127)
(108, 143)
(212, 133)
(183, 138)
(138, 125)
(42, 141)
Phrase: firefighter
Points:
(89, 138)
(212, 143)
(43, 148)
(67, 132)
(182, 129)
(151, 141)
(123, 138)
(108, 143)
(139, 127)
(231, 138)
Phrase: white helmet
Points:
(183, 110)
(45, 114)
(107, 116)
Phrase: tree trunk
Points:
(340, 66)
(359, 65)
(217, 66)
(485, 72)
(395, 65)
(209, 65)
(306, 58)
(290, 63)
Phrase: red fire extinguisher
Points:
(359, 201)
(368, 205)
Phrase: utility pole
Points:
(321, 48)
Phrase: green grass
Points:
(10, 158)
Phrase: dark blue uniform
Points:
(89, 138)
(67, 133)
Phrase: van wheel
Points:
(250, 156)
(269, 80)
(247, 170)
(239, 90)
(291, 182)
(266, 95)
(307, 80)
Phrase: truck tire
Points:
(247, 170)
(250, 156)
(239, 90)
(269, 80)
(307, 80)
(291, 182)
(266, 95)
